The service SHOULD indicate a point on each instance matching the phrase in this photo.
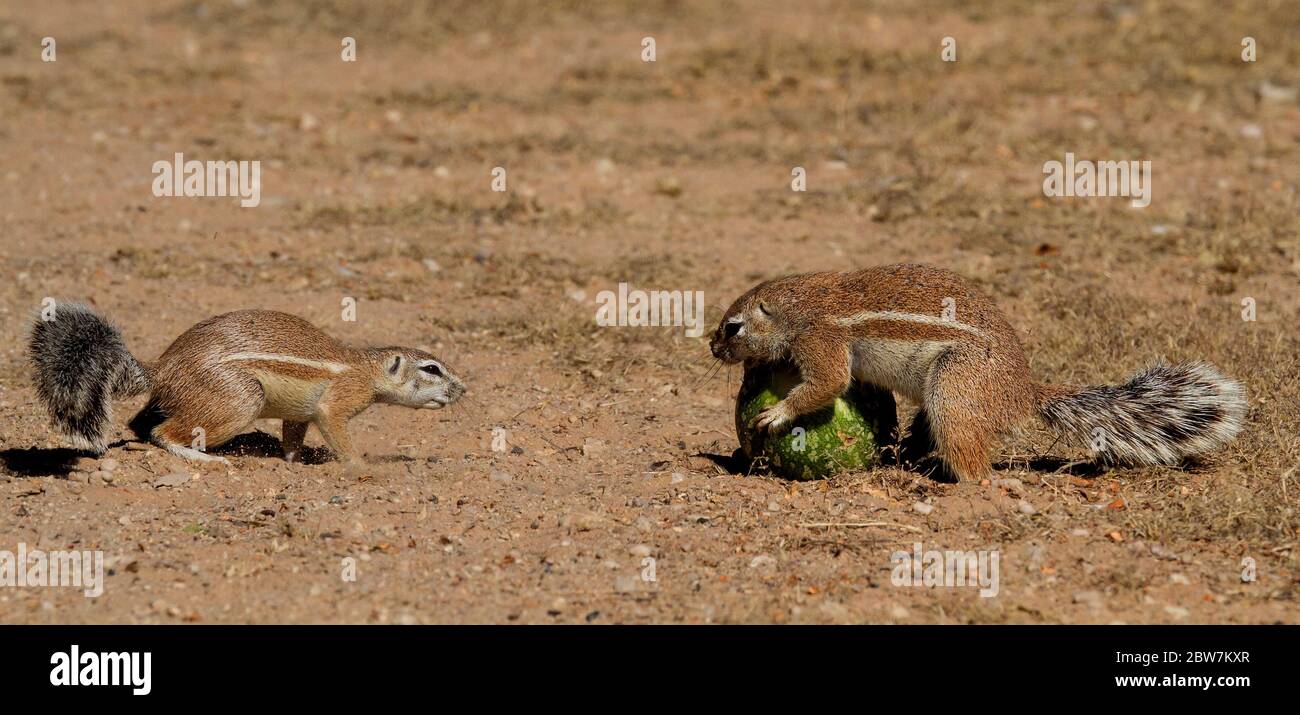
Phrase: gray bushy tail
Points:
(82, 365)
(1160, 416)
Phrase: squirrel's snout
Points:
(722, 351)
(455, 390)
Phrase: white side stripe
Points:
(333, 367)
(860, 318)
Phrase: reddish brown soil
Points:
(672, 175)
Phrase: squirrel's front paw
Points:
(772, 420)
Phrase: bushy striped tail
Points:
(81, 365)
(1160, 416)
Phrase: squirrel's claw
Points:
(772, 420)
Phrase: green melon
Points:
(842, 436)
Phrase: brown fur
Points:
(231, 369)
(968, 374)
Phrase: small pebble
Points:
(625, 584)
(762, 561)
(592, 447)
(1037, 555)
(175, 479)
(1092, 599)
(1276, 93)
(922, 508)
(1010, 484)
(835, 610)
(1026, 508)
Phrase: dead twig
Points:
(857, 525)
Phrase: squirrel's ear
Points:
(765, 308)
(396, 366)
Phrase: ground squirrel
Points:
(932, 336)
(222, 374)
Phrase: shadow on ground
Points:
(42, 462)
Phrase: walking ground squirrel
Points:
(887, 326)
(222, 374)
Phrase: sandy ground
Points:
(673, 174)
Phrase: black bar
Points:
(231, 664)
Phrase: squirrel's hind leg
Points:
(230, 403)
(957, 400)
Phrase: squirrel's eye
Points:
(731, 329)
(432, 369)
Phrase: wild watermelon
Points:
(845, 435)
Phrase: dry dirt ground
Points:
(667, 175)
